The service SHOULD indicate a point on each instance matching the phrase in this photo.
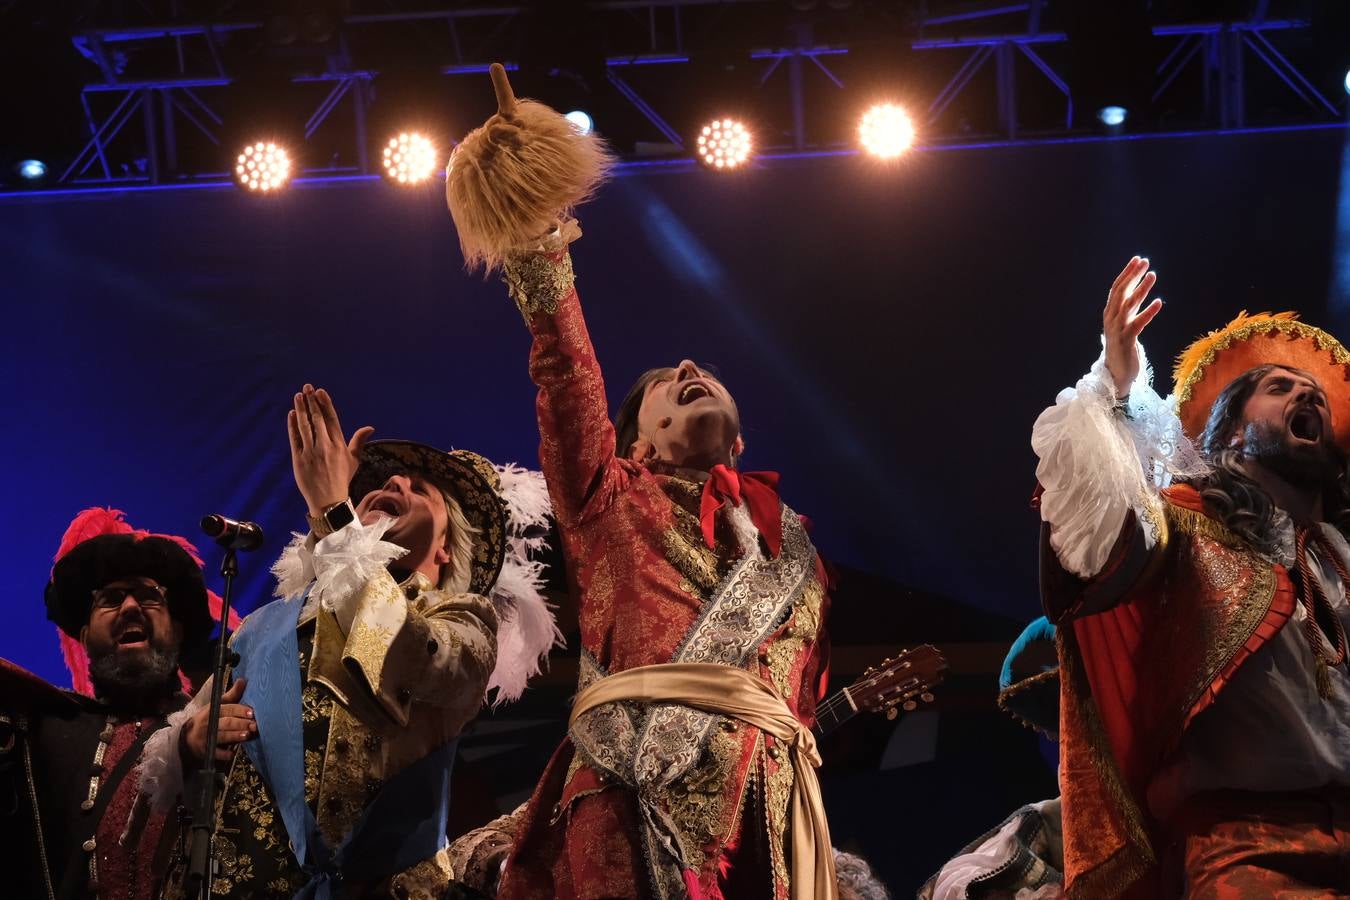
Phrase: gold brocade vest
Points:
(1136, 674)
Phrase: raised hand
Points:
(1123, 320)
(236, 726)
(321, 458)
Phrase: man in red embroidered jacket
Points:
(678, 558)
(1205, 707)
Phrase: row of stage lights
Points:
(886, 132)
(410, 158)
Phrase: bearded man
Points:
(129, 604)
(1205, 702)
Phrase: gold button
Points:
(87, 805)
(775, 753)
(89, 846)
(729, 725)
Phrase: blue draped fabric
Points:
(405, 822)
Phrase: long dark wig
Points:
(1238, 502)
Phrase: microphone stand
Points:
(208, 781)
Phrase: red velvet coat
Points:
(644, 573)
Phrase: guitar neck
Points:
(833, 711)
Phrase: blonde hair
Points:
(457, 574)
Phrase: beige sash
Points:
(735, 692)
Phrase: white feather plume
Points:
(527, 629)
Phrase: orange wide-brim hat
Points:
(1210, 364)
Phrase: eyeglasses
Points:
(149, 596)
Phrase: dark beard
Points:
(137, 684)
(1302, 465)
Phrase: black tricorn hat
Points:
(93, 563)
(468, 477)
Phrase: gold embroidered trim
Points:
(778, 778)
(536, 282)
(697, 803)
(756, 595)
(804, 626)
(1225, 568)
(1026, 684)
(1111, 878)
(690, 554)
(347, 784)
(1190, 371)
(425, 880)
(1189, 522)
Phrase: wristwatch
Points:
(332, 518)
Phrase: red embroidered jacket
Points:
(644, 572)
(1145, 647)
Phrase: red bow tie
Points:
(759, 491)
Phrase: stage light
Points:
(410, 158)
(886, 131)
(1111, 116)
(724, 144)
(1347, 81)
(262, 167)
(581, 121)
(32, 169)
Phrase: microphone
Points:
(233, 535)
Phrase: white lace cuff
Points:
(161, 766)
(338, 565)
(1098, 463)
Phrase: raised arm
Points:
(509, 182)
(1104, 448)
(576, 437)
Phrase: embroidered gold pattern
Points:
(753, 598)
(346, 787)
(424, 881)
(803, 627)
(691, 557)
(1240, 574)
(698, 802)
(1125, 867)
(778, 777)
(1188, 373)
(1189, 522)
(536, 282)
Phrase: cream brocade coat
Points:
(406, 678)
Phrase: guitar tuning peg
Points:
(891, 713)
(926, 697)
(910, 706)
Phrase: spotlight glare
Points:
(886, 131)
(263, 166)
(410, 158)
(581, 121)
(32, 169)
(1347, 81)
(724, 144)
(1111, 116)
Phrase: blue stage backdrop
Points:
(890, 334)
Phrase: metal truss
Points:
(188, 97)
